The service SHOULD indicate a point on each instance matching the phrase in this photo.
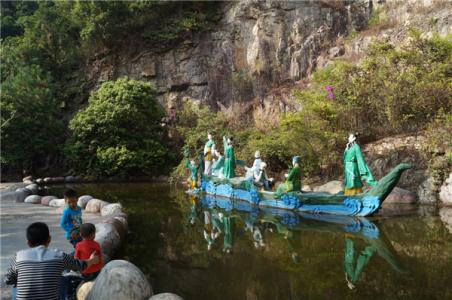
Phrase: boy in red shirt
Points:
(84, 249)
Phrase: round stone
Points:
(46, 200)
(111, 209)
(34, 199)
(124, 281)
(107, 237)
(166, 296)
(119, 226)
(95, 205)
(83, 200)
(57, 203)
(34, 188)
(69, 179)
(84, 289)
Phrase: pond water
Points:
(278, 255)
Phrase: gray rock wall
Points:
(257, 46)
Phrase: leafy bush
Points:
(119, 133)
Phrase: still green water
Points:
(278, 255)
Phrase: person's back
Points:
(36, 272)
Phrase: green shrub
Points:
(119, 133)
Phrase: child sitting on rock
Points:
(72, 217)
(84, 249)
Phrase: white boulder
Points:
(57, 203)
(95, 205)
(35, 199)
(120, 280)
(83, 200)
(445, 194)
(111, 209)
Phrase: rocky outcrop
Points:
(332, 187)
(445, 194)
(119, 280)
(255, 47)
(400, 196)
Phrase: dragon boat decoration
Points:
(218, 179)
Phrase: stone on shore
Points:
(57, 203)
(35, 199)
(95, 205)
(427, 191)
(84, 289)
(47, 180)
(107, 237)
(34, 188)
(111, 209)
(83, 200)
(25, 190)
(445, 214)
(28, 179)
(400, 196)
(445, 194)
(332, 187)
(46, 200)
(166, 296)
(123, 220)
(119, 280)
(119, 226)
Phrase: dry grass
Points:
(266, 118)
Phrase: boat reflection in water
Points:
(221, 219)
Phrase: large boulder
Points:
(84, 289)
(57, 203)
(111, 209)
(445, 194)
(95, 205)
(400, 196)
(28, 179)
(427, 191)
(35, 199)
(123, 220)
(83, 200)
(166, 296)
(34, 188)
(120, 227)
(445, 214)
(25, 190)
(332, 187)
(46, 200)
(108, 237)
(120, 280)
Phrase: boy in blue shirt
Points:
(72, 217)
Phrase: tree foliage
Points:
(119, 133)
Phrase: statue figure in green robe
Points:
(193, 167)
(355, 167)
(229, 158)
(293, 181)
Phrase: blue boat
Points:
(363, 204)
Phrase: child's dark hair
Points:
(70, 193)
(87, 229)
(38, 234)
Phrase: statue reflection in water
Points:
(219, 218)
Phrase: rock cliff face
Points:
(256, 47)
